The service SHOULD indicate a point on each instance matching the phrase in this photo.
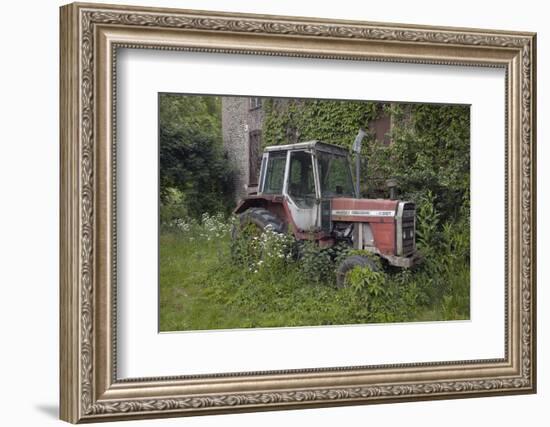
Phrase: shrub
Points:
(364, 279)
(192, 159)
(266, 251)
(427, 224)
(172, 206)
(315, 263)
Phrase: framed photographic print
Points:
(267, 212)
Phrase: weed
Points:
(260, 279)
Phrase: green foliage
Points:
(194, 171)
(445, 270)
(261, 251)
(427, 225)
(173, 206)
(430, 151)
(318, 265)
(180, 113)
(337, 122)
(211, 281)
(367, 280)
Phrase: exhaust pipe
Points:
(357, 150)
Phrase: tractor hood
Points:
(359, 210)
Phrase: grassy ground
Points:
(201, 291)
(202, 287)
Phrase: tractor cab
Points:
(305, 174)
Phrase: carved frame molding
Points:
(90, 36)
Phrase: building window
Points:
(255, 102)
(381, 129)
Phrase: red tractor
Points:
(307, 188)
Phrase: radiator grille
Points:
(408, 229)
(326, 215)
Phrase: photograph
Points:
(285, 212)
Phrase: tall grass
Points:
(209, 281)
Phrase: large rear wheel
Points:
(251, 224)
(259, 219)
(349, 264)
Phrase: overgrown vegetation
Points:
(430, 152)
(267, 280)
(290, 121)
(195, 175)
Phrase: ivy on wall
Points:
(430, 152)
(290, 121)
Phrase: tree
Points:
(193, 165)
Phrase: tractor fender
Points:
(278, 206)
(257, 202)
(274, 204)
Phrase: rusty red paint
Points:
(383, 228)
(358, 204)
(363, 218)
(384, 237)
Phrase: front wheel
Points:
(349, 264)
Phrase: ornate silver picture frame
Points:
(90, 37)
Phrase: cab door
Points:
(301, 190)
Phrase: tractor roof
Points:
(310, 145)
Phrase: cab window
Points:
(301, 183)
(275, 173)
